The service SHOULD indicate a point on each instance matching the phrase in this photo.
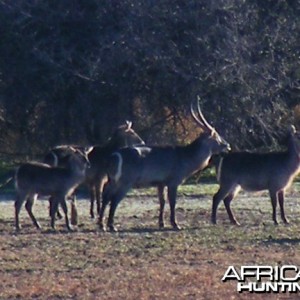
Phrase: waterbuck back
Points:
(159, 166)
(33, 178)
(273, 171)
(59, 155)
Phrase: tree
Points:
(71, 71)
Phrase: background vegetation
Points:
(71, 71)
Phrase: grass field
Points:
(141, 261)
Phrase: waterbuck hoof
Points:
(38, 226)
(161, 225)
(70, 228)
(101, 225)
(235, 222)
(176, 227)
(112, 228)
(102, 228)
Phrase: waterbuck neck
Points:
(200, 147)
(114, 144)
(196, 155)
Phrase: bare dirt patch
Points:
(141, 261)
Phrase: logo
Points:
(264, 279)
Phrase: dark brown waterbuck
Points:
(59, 157)
(123, 136)
(33, 179)
(272, 171)
(158, 166)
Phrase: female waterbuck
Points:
(159, 166)
(272, 171)
(33, 179)
(123, 136)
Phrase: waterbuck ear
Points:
(88, 149)
(292, 129)
(129, 124)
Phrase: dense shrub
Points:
(73, 70)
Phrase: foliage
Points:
(71, 71)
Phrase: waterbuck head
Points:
(125, 136)
(210, 136)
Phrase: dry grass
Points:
(142, 262)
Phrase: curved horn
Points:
(202, 119)
(198, 121)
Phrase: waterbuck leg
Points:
(281, 205)
(98, 197)
(273, 196)
(92, 196)
(74, 213)
(227, 202)
(58, 214)
(172, 194)
(53, 210)
(221, 194)
(160, 190)
(63, 204)
(106, 196)
(18, 204)
(28, 206)
(118, 195)
(110, 222)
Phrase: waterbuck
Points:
(123, 136)
(158, 166)
(33, 179)
(273, 171)
(59, 157)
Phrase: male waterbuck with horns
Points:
(272, 171)
(33, 179)
(158, 166)
(123, 136)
